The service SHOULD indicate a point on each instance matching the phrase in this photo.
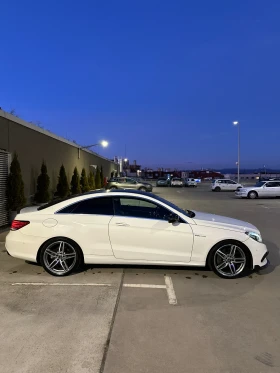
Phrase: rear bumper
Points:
(22, 246)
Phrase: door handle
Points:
(122, 224)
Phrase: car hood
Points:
(223, 222)
(145, 183)
(252, 187)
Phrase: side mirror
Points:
(173, 218)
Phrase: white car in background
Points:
(261, 189)
(132, 227)
(177, 181)
(219, 185)
(190, 182)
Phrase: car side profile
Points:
(128, 183)
(219, 185)
(265, 189)
(132, 227)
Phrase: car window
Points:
(92, 206)
(131, 181)
(271, 184)
(139, 208)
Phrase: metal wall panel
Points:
(3, 184)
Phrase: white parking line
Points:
(170, 290)
(168, 286)
(54, 284)
(144, 286)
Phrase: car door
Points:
(140, 231)
(87, 223)
(130, 183)
(232, 185)
(271, 189)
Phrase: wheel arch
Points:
(252, 191)
(58, 238)
(231, 241)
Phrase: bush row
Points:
(79, 184)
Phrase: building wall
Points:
(33, 145)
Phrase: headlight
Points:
(256, 236)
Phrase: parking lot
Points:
(147, 319)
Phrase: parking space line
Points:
(54, 284)
(144, 286)
(170, 290)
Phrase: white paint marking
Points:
(54, 284)
(170, 290)
(144, 286)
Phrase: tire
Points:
(113, 188)
(143, 189)
(252, 195)
(217, 189)
(230, 259)
(60, 256)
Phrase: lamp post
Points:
(236, 123)
(103, 143)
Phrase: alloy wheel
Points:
(229, 260)
(59, 258)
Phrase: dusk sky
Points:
(165, 79)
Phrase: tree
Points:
(101, 177)
(97, 178)
(91, 181)
(15, 186)
(75, 182)
(43, 183)
(62, 186)
(84, 181)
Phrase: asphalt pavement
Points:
(147, 319)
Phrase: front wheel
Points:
(229, 260)
(217, 189)
(143, 189)
(253, 195)
(60, 257)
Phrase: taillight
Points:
(18, 224)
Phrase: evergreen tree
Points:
(91, 181)
(102, 177)
(43, 183)
(75, 182)
(62, 186)
(84, 181)
(97, 178)
(15, 186)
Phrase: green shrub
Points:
(62, 186)
(15, 187)
(91, 181)
(43, 183)
(75, 182)
(97, 178)
(84, 181)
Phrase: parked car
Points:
(132, 227)
(163, 182)
(128, 183)
(261, 189)
(177, 181)
(190, 182)
(219, 185)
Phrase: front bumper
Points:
(240, 194)
(259, 253)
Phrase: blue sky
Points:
(163, 78)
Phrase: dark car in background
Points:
(163, 182)
(128, 183)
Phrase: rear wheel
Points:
(229, 260)
(60, 257)
(113, 188)
(253, 195)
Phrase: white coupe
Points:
(132, 227)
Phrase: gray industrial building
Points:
(33, 145)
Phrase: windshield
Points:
(260, 184)
(188, 213)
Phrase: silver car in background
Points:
(261, 189)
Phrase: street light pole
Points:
(238, 160)
(102, 143)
